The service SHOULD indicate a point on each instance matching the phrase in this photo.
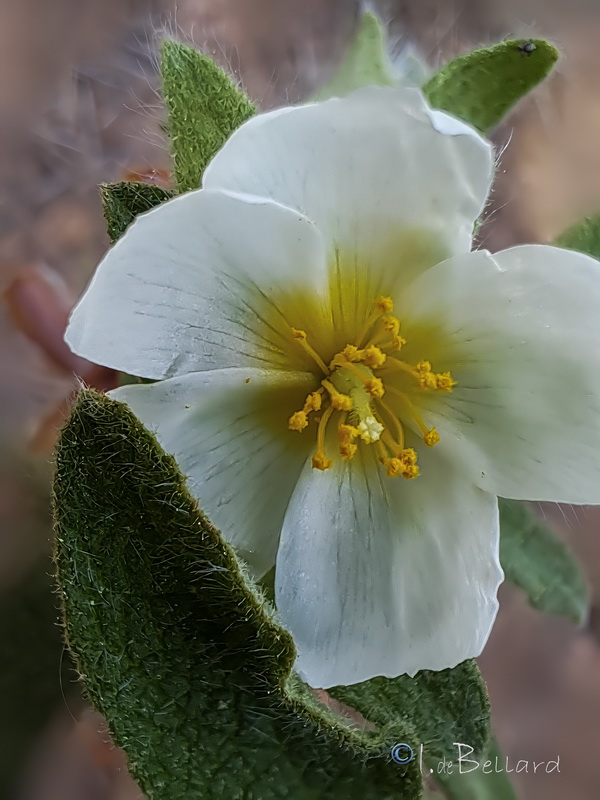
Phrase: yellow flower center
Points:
(352, 391)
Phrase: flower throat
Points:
(352, 390)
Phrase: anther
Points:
(385, 305)
(374, 387)
(431, 438)
(320, 461)
(373, 357)
(301, 337)
(339, 401)
(298, 421)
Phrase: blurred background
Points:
(79, 106)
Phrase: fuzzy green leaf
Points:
(584, 236)
(123, 201)
(482, 86)
(537, 561)
(176, 646)
(475, 784)
(205, 108)
(451, 706)
(366, 63)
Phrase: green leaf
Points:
(205, 108)
(584, 236)
(493, 784)
(537, 561)
(451, 705)
(482, 86)
(123, 201)
(178, 648)
(366, 63)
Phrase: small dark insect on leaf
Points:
(527, 47)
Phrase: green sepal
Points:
(537, 561)
(367, 62)
(476, 784)
(482, 86)
(204, 106)
(178, 648)
(451, 705)
(123, 201)
(584, 236)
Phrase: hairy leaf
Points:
(123, 201)
(537, 561)
(205, 107)
(176, 646)
(482, 86)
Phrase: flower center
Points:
(351, 395)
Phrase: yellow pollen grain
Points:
(404, 463)
(348, 451)
(445, 382)
(431, 438)
(320, 461)
(391, 325)
(398, 342)
(313, 402)
(347, 433)
(352, 353)
(373, 357)
(385, 305)
(374, 387)
(298, 421)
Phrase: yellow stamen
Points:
(373, 357)
(397, 423)
(347, 433)
(313, 402)
(404, 463)
(385, 305)
(301, 337)
(374, 387)
(348, 451)
(425, 430)
(320, 460)
(398, 342)
(339, 401)
(298, 421)
(427, 378)
(391, 325)
(445, 382)
(431, 438)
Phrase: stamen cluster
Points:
(353, 390)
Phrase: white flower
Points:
(322, 332)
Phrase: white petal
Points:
(381, 175)
(521, 332)
(228, 432)
(187, 288)
(381, 576)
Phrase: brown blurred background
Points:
(78, 106)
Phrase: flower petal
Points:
(187, 287)
(228, 432)
(380, 577)
(384, 177)
(521, 332)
